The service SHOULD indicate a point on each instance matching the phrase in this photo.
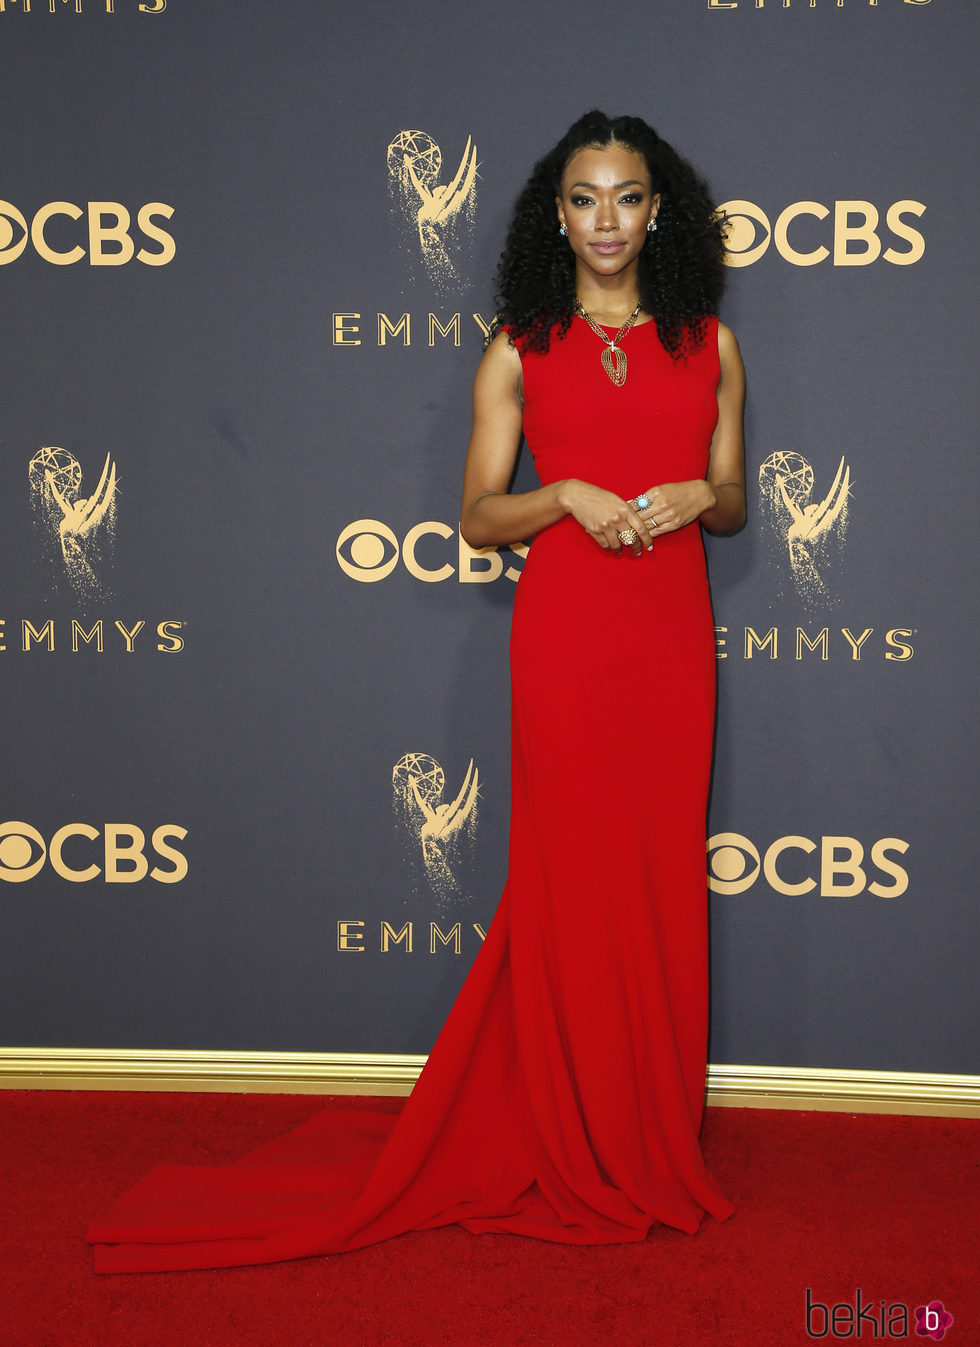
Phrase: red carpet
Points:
(833, 1202)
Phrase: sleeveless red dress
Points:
(563, 1098)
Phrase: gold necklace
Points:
(613, 357)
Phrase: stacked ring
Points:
(628, 536)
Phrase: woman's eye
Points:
(581, 201)
(631, 200)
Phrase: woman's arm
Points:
(489, 514)
(718, 500)
(726, 458)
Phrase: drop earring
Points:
(652, 227)
(562, 231)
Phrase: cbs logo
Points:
(58, 239)
(801, 237)
(368, 550)
(23, 852)
(837, 867)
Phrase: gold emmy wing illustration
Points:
(441, 215)
(434, 829)
(802, 525)
(81, 526)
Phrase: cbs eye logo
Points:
(368, 551)
(75, 849)
(852, 236)
(13, 233)
(105, 237)
(835, 866)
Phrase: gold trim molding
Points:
(233, 1072)
(837, 1090)
(338, 1073)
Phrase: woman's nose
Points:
(607, 218)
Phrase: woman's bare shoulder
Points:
(727, 342)
(729, 355)
(500, 367)
(502, 348)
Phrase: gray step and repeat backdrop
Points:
(254, 686)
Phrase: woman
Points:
(564, 1096)
(630, 394)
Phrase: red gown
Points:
(563, 1098)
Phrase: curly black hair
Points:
(681, 269)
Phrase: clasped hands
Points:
(606, 516)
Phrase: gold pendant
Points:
(614, 363)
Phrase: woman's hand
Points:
(674, 505)
(604, 515)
